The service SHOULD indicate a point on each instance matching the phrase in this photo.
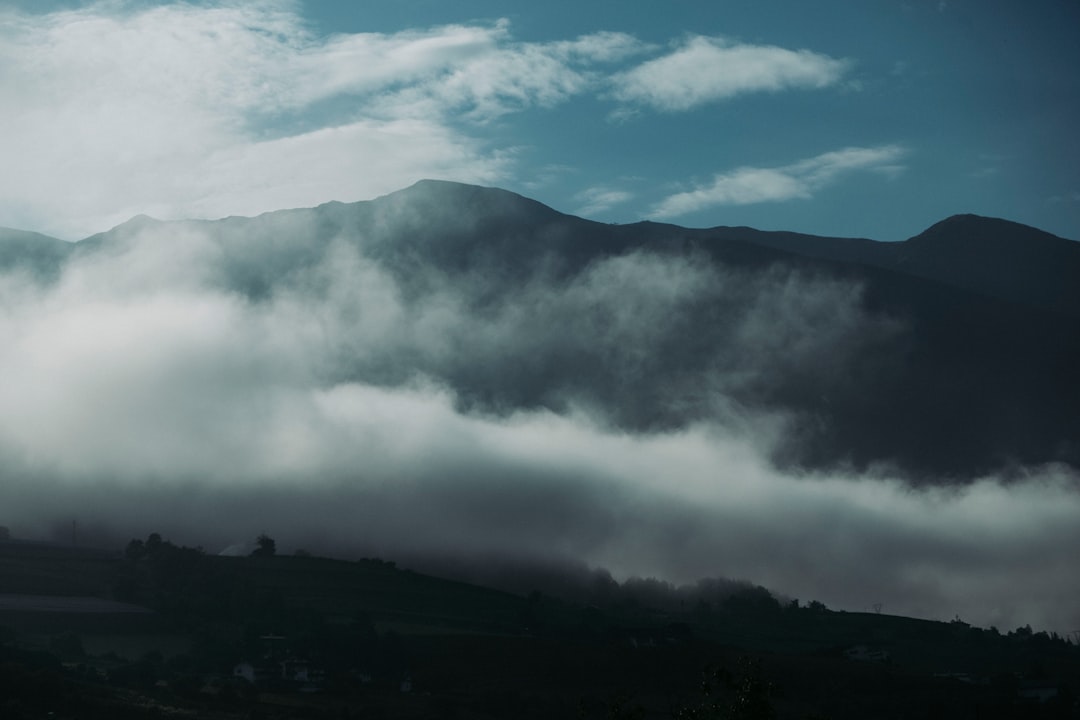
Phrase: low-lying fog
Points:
(355, 410)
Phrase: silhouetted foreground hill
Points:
(278, 637)
(949, 355)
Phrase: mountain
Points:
(949, 355)
(997, 258)
(40, 255)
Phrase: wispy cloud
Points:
(1069, 197)
(704, 70)
(596, 200)
(748, 185)
(502, 76)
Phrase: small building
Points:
(290, 672)
(1038, 692)
(296, 670)
(244, 671)
(865, 653)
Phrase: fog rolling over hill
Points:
(455, 372)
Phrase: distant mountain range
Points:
(949, 355)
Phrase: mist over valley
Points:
(465, 380)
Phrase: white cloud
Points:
(748, 185)
(603, 46)
(190, 110)
(1069, 197)
(501, 81)
(600, 199)
(706, 69)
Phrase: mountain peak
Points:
(997, 257)
(136, 224)
(139, 221)
(477, 201)
(453, 190)
(986, 232)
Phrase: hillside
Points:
(366, 625)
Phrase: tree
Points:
(135, 550)
(266, 546)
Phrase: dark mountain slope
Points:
(40, 255)
(973, 381)
(993, 257)
(999, 258)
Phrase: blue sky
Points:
(871, 119)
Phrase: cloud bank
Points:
(150, 387)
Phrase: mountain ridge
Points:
(992, 256)
(941, 365)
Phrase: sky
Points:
(144, 391)
(871, 119)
